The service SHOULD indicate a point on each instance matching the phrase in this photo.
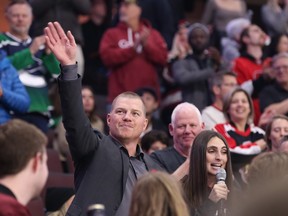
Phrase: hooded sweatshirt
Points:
(130, 68)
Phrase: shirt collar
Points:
(139, 151)
(251, 58)
(234, 125)
(27, 41)
(7, 191)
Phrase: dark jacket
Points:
(162, 17)
(66, 12)
(101, 167)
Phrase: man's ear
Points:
(36, 160)
(145, 124)
(108, 119)
(203, 125)
(171, 129)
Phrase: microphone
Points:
(221, 177)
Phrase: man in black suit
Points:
(106, 167)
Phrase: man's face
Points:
(129, 11)
(281, 71)
(150, 103)
(256, 36)
(185, 128)
(198, 40)
(19, 17)
(228, 83)
(127, 119)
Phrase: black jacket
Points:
(101, 167)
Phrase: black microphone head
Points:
(221, 175)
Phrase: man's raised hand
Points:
(62, 45)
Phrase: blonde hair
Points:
(268, 166)
(267, 192)
(158, 194)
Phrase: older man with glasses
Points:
(274, 97)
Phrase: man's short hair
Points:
(279, 56)
(153, 136)
(217, 78)
(185, 105)
(128, 94)
(14, 2)
(19, 142)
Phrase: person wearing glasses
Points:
(221, 84)
(275, 96)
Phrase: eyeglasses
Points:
(283, 67)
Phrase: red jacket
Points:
(247, 69)
(9, 206)
(129, 69)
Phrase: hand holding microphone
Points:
(219, 191)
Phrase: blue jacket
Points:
(15, 98)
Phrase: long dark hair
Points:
(196, 183)
(93, 114)
(273, 47)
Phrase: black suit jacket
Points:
(101, 167)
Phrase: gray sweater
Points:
(275, 22)
(193, 80)
(219, 17)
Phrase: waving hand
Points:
(62, 45)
